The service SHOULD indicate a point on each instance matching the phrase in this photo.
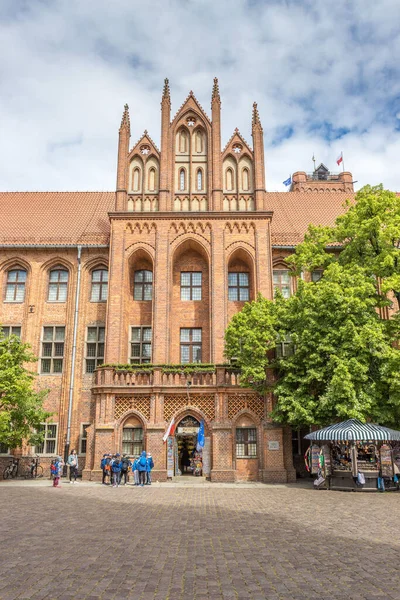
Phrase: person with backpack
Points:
(105, 467)
(72, 462)
(135, 471)
(116, 466)
(125, 464)
(58, 465)
(149, 466)
(142, 468)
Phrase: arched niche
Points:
(182, 142)
(140, 261)
(152, 175)
(245, 175)
(199, 142)
(229, 175)
(136, 175)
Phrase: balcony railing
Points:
(117, 377)
(319, 177)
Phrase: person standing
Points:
(58, 463)
(126, 463)
(142, 468)
(135, 470)
(149, 466)
(72, 462)
(116, 470)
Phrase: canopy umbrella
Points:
(355, 431)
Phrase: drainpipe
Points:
(72, 376)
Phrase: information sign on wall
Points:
(272, 445)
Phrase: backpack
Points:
(103, 463)
(143, 461)
(53, 469)
(125, 464)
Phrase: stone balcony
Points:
(112, 379)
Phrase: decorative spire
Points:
(166, 93)
(215, 91)
(256, 115)
(125, 122)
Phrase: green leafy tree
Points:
(368, 235)
(21, 408)
(250, 335)
(344, 364)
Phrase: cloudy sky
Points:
(325, 74)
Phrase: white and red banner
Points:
(339, 158)
(170, 430)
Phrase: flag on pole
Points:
(288, 181)
(339, 158)
(200, 437)
(170, 430)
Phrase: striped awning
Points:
(354, 431)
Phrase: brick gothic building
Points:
(152, 274)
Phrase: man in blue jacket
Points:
(149, 466)
(116, 466)
(142, 468)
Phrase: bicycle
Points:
(34, 470)
(12, 470)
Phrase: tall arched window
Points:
(199, 141)
(182, 182)
(245, 179)
(15, 288)
(199, 180)
(229, 179)
(136, 180)
(58, 284)
(152, 179)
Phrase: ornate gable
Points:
(237, 146)
(190, 104)
(145, 147)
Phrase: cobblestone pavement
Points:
(90, 542)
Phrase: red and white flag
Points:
(170, 430)
(339, 158)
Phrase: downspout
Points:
(73, 358)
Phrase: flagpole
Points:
(343, 162)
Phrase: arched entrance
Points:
(187, 457)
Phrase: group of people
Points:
(56, 468)
(116, 468)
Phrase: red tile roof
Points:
(72, 218)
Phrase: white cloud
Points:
(68, 68)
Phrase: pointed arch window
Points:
(229, 179)
(136, 179)
(15, 287)
(182, 180)
(245, 179)
(199, 180)
(152, 179)
(58, 285)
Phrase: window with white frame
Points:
(49, 444)
(238, 287)
(15, 286)
(190, 345)
(282, 282)
(246, 442)
(83, 438)
(52, 349)
(99, 289)
(191, 285)
(94, 347)
(132, 441)
(58, 285)
(140, 345)
(7, 330)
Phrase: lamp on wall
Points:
(31, 308)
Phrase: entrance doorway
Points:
(188, 454)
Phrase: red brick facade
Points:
(191, 207)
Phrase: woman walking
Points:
(72, 462)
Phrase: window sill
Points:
(56, 301)
(247, 457)
(13, 302)
(98, 301)
(50, 374)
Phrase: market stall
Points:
(355, 456)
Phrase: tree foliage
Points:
(21, 408)
(346, 359)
